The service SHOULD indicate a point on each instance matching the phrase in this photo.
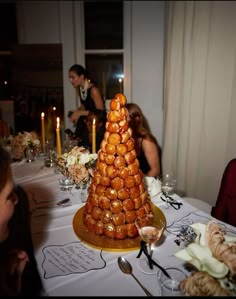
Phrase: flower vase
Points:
(29, 155)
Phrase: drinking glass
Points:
(150, 231)
(84, 193)
(66, 184)
(170, 286)
(49, 152)
(168, 183)
(29, 154)
(83, 188)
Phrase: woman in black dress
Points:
(89, 95)
(146, 146)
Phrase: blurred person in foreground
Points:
(146, 146)
(18, 269)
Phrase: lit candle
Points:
(43, 129)
(94, 136)
(120, 83)
(58, 141)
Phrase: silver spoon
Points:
(126, 267)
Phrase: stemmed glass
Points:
(150, 231)
(168, 183)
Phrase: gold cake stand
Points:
(107, 244)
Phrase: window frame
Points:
(126, 51)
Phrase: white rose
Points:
(36, 142)
(84, 158)
(25, 142)
(93, 157)
(71, 160)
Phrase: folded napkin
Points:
(153, 185)
(200, 256)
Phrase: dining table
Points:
(68, 265)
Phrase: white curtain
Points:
(200, 95)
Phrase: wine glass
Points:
(168, 183)
(150, 231)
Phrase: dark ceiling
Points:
(8, 31)
(8, 38)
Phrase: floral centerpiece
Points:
(23, 141)
(78, 164)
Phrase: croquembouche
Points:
(117, 193)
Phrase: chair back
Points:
(225, 207)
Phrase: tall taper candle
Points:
(58, 141)
(94, 136)
(43, 129)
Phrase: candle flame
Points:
(58, 122)
(42, 114)
(94, 121)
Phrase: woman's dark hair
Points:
(138, 122)
(79, 70)
(5, 161)
(140, 127)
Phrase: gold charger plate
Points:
(102, 242)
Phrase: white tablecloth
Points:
(69, 267)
